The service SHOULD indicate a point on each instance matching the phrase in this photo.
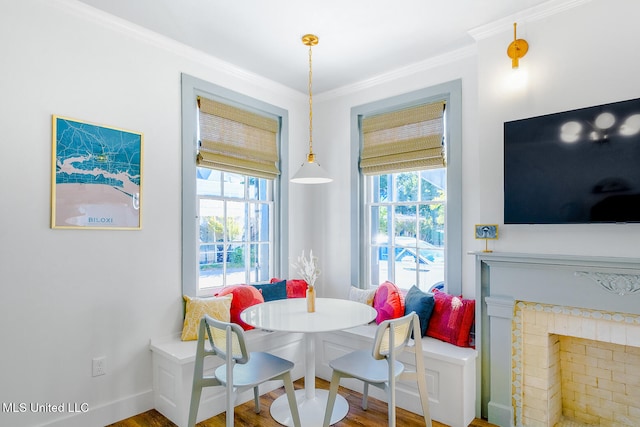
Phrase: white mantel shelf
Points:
(601, 283)
(560, 260)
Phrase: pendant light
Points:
(310, 172)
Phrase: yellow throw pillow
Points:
(217, 307)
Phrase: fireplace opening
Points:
(574, 367)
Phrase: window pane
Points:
(379, 225)
(211, 214)
(235, 231)
(258, 189)
(381, 264)
(407, 186)
(404, 222)
(259, 222)
(235, 266)
(381, 188)
(208, 182)
(433, 184)
(259, 263)
(432, 224)
(233, 185)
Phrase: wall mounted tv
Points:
(574, 167)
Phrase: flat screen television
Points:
(574, 167)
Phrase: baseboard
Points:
(106, 414)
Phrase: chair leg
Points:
(256, 400)
(196, 392)
(331, 400)
(291, 397)
(391, 404)
(424, 399)
(230, 405)
(365, 396)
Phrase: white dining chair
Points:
(381, 368)
(241, 371)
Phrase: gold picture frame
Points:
(486, 232)
(96, 176)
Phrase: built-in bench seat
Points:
(173, 362)
(450, 370)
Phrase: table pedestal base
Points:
(311, 410)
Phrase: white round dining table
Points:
(291, 315)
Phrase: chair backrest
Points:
(223, 336)
(394, 334)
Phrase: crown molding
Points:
(106, 20)
(541, 11)
(409, 70)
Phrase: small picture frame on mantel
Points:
(486, 232)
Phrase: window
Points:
(406, 216)
(409, 210)
(235, 214)
(232, 221)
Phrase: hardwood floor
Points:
(375, 416)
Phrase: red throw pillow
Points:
(452, 319)
(388, 302)
(296, 288)
(243, 296)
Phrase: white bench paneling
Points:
(173, 363)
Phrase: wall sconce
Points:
(310, 172)
(517, 49)
(487, 232)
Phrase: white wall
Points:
(71, 295)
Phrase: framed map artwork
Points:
(96, 176)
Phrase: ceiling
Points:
(359, 39)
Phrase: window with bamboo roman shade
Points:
(403, 140)
(237, 140)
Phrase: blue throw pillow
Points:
(422, 303)
(273, 291)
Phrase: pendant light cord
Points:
(311, 156)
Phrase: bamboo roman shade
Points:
(236, 140)
(403, 140)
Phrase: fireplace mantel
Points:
(599, 283)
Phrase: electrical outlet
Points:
(99, 366)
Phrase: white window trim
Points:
(452, 93)
(193, 87)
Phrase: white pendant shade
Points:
(311, 173)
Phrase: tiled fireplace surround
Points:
(558, 333)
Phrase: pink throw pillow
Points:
(388, 302)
